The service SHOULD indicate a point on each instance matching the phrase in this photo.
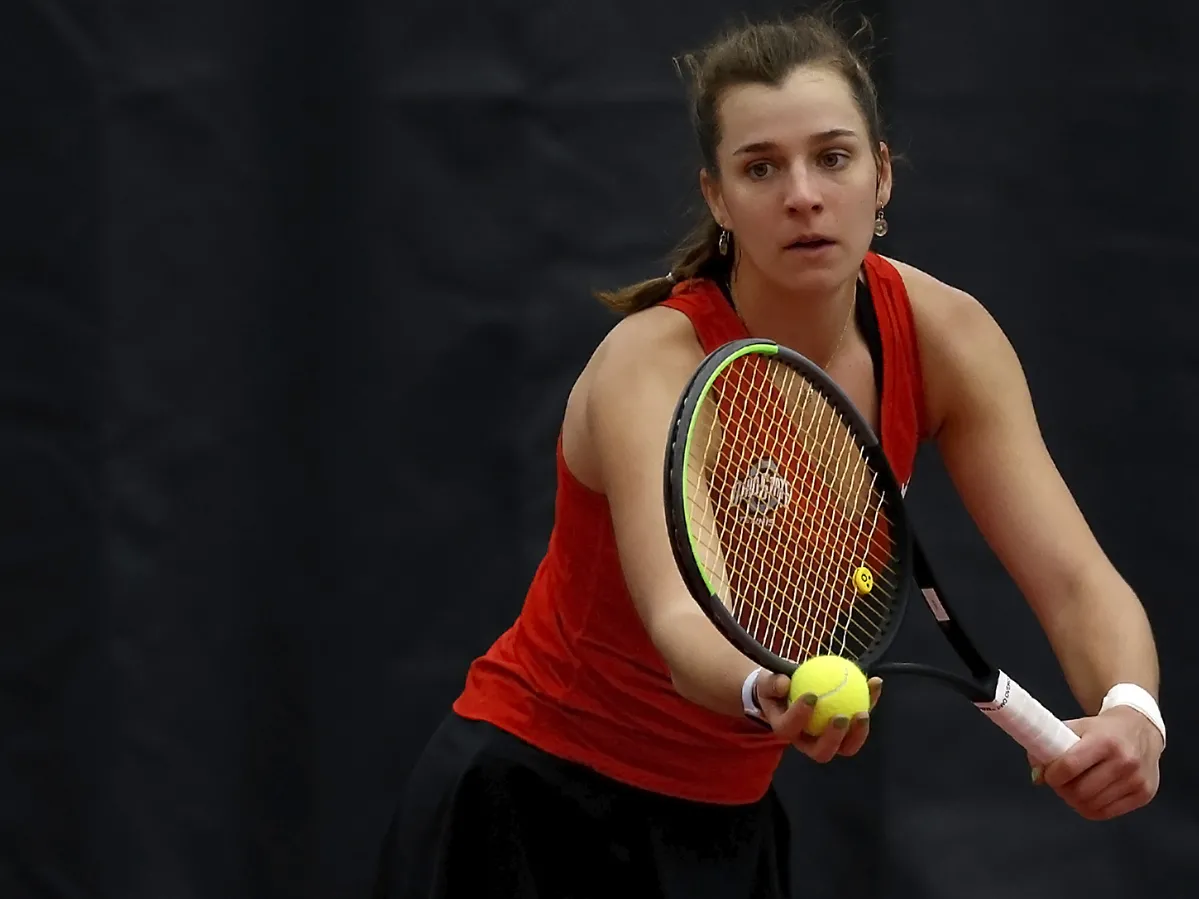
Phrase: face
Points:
(798, 185)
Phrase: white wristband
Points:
(749, 702)
(1138, 698)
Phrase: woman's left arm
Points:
(981, 413)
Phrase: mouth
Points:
(810, 243)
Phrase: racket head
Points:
(777, 491)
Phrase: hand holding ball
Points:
(839, 686)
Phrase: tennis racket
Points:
(790, 530)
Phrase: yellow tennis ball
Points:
(839, 685)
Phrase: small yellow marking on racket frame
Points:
(863, 580)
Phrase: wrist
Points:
(1138, 698)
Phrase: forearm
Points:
(1102, 637)
(705, 668)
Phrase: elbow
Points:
(681, 686)
(663, 645)
(667, 631)
(665, 639)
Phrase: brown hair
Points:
(755, 53)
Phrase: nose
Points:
(803, 189)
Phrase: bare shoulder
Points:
(959, 340)
(645, 358)
(650, 341)
(939, 307)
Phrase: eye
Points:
(758, 170)
(834, 159)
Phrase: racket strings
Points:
(777, 609)
(796, 512)
(819, 421)
(798, 574)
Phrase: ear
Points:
(709, 185)
(884, 176)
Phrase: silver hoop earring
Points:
(880, 224)
(722, 245)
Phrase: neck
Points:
(812, 324)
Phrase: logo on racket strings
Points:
(761, 493)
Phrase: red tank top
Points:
(577, 676)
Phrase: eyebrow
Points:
(767, 145)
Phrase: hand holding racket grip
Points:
(1029, 723)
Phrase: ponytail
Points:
(697, 256)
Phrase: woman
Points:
(602, 743)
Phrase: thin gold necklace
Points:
(840, 340)
(844, 331)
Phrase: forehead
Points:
(808, 102)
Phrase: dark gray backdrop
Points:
(254, 257)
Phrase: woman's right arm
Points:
(634, 386)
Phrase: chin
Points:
(811, 278)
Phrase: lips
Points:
(810, 242)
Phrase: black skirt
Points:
(487, 815)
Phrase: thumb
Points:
(773, 686)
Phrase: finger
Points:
(1098, 781)
(789, 721)
(1133, 785)
(1110, 775)
(859, 730)
(1076, 761)
(876, 688)
(1079, 726)
(1129, 802)
(772, 691)
(775, 686)
(829, 742)
(1095, 808)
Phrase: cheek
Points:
(864, 188)
(862, 209)
(750, 206)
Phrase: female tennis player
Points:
(611, 742)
